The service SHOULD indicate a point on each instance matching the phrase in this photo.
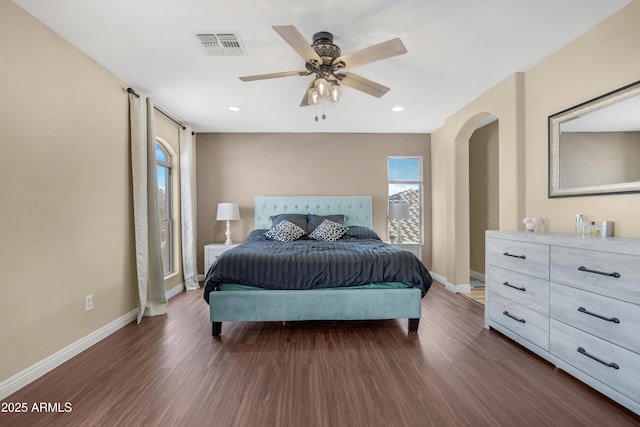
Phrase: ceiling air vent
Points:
(222, 44)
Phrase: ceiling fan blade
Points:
(384, 50)
(305, 99)
(274, 75)
(292, 36)
(364, 85)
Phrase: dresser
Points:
(573, 301)
(212, 251)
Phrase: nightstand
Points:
(212, 251)
(414, 248)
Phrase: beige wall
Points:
(601, 60)
(483, 190)
(237, 167)
(65, 193)
(450, 172)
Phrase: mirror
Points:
(594, 147)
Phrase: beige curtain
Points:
(145, 208)
(188, 208)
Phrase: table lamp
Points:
(228, 212)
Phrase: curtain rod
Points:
(132, 92)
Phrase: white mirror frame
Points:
(580, 110)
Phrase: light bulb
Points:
(335, 93)
(322, 86)
(313, 96)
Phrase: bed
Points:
(356, 277)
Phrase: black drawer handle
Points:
(523, 289)
(581, 350)
(515, 256)
(506, 313)
(599, 316)
(614, 274)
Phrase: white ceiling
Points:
(456, 51)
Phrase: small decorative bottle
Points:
(579, 231)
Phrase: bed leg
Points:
(216, 328)
(413, 325)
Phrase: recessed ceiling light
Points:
(397, 109)
(234, 109)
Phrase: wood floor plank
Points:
(169, 371)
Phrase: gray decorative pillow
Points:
(285, 231)
(360, 232)
(328, 230)
(298, 219)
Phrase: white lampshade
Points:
(398, 210)
(228, 211)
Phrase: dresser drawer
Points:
(604, 273)
(526, 290)
(527, 258)
(581, 350)
(610, 319)
(529, 324)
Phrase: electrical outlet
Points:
(88, 303)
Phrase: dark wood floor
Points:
(169, 371)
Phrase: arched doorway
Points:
(483, 199)
(462, 224)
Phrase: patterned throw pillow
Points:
(329, 231)
(285, 231)
(315, 220)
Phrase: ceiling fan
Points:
(325, 60)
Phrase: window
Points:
(163, 160)
(405, 199)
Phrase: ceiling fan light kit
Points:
(335, 93)
(313, 96)
(322, 86)
(325, 60)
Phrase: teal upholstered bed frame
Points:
(323, 304)
(356, 209)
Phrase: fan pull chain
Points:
(324, 116)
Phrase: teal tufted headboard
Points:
(356, 209)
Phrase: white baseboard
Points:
(440, 278)
(32, 373)
(476, 275)
(450, 286)
(465, 287)
(174, 291)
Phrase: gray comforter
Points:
(358, 258)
